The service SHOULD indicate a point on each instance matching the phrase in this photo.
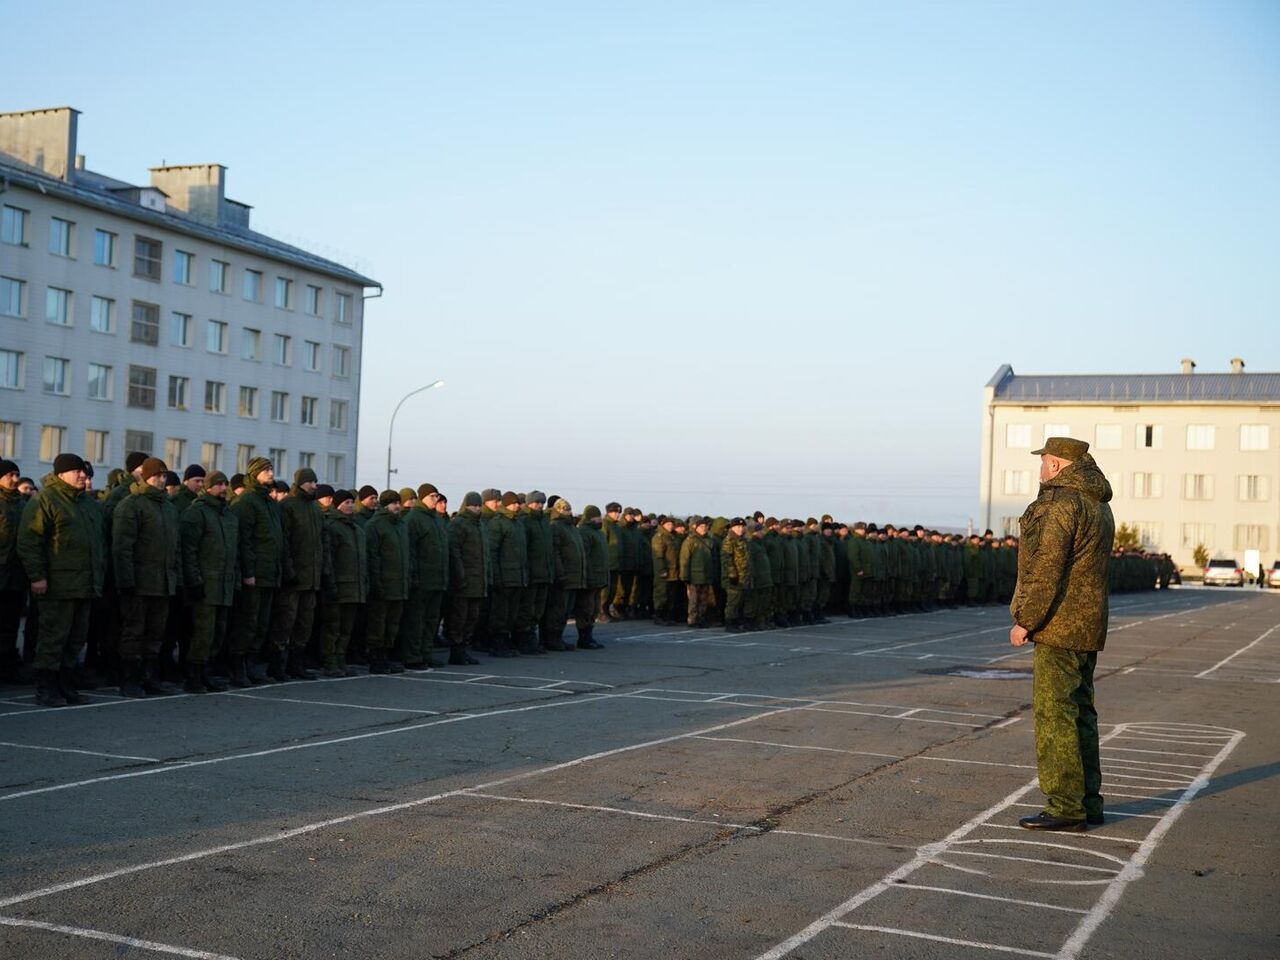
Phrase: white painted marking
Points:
(1138, 796)
(889, 716)
(1159, 753)
(134, 942)
(278, 835)
(87, 753)
(1135, 867)
(797, 746)
(987, 896)
(916, 934)
(470, 683)
(1110, 812)
(1047, 863)
(1169, 780)
(1090, 835)
(330, 703)
(920, 643)
(1228, 659)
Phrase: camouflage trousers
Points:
(734, 601)
(1067, 732)
(339, 620)
(760, 604)
(701, 601)
(63, 627)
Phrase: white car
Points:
(1273, 576)
(1223, 573)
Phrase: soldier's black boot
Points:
(502, 646)
(297, 667)
(588, 641)
(460, 657)
(193, 678)
(152, 685)
(212, 682)
(47, 692)
(67, 687)
(131, 679)
(275, 667)
(240, 672)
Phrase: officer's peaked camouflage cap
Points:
(1066, 448)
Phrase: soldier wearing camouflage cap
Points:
(1061, 605)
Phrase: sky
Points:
(718, 256)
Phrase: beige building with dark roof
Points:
(1193, 458)
(152, 317)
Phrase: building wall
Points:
(31, 407)
(1172, 512)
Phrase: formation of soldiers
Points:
(215, 581)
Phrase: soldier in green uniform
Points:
(429, 547)
(858, 550)
(13, 579)
(294, 609)
(349, 588)
(469, 577)
(569, 554)
(595, 561)
(697, 570)
(642, 595)
(735, 575)
(533, 599)
(510, 564)
(264, 565)
(666, 569)
(760, 592)
(390, 581)
(209, 536)
(1061, 605)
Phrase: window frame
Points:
(137, 397)
(144, 323)
(152, 266)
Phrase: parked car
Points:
(1273, 576)
(1223, 573)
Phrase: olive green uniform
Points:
(390, 580)
(209, 537)
(145, 555)
(429, 547)
(349, 561)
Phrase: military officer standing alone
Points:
(1060, 604)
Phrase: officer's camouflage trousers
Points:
(760, 605)
(701, 600)
(1067, 732)
(734, 601)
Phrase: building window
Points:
(279, 460)
(52, 442)
(344, 307)
(99, 382)
(142, 387)
(306, 459)
(1251, 536)
(210, 454)
(1056, 430)
(146, 258)
(1200, 436)
(1253, 488)
(180, 329)
(145, 325)
(215, 337)
(1017, 436)
(279, 406)
(1150, 436)
(61, 237)
(104, 248)
(8, 439)
(11, 369)
(13, 226)
(1255, 436)
(175, 453)
(179, 391)
(1197, 486)
(57, 306)
(1107, 436)
(1017, 482)
(244, 453)
(253, 285)
(250, 344)
(309, 405)
(215, 396)
(1147, 486)
(338, 415)
(284, 350)
(13, 294)
(218, 271)
(184, 267)
(1197, 534)
(311, 354)
(337, 472)
(57, 376)
(97, 445)
(341, 362)
(142, 441)
(284, 293)
(102, 315)
(1148, 533)
(248, 402)
(313, 300)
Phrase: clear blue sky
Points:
(717, 256)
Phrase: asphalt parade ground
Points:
(835, 791)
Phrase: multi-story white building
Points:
(152, 318)
(1193, 458)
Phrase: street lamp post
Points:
(391, 430)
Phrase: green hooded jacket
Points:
(389, 559)
(1067, 532)
(262, 548)
(570, 554)
(210, 538)
(470, 572)
(666, 555)
(509, 548)
(429, 543)
(348, 558)
(595, 550)
(12, 576)
(735, 562)
(697, 560)
(57, 542)
(144, 543)
(302, 522)
(537, 534)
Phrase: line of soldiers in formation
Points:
(247, 580)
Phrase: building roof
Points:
(1135, 387)
(96, 190)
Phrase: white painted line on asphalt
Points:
(920, 643)
(1225, 660)
(796, 746)
(1089, 835)
(149, 945)
(1047, 863)
(330, 703)
(1188, 742)
(1158, 753)
(472, 683)
(1110, 812)
(1137, 763)
(885, 716)
(1135, 867)
(87, 753)
(987, 896)
(388, 808)
(1139, 796)
(1180, 783)
(916, 934)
